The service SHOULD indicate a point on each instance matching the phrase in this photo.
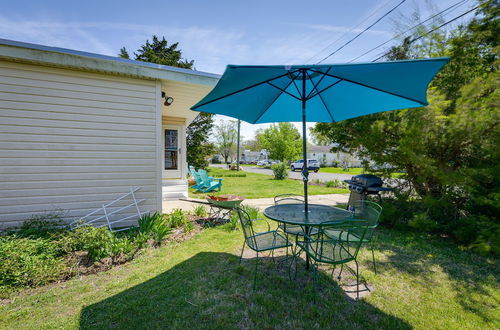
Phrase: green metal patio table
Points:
(294, 214)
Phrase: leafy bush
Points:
(335, 183)
(155, 225)
(188, 226)
(422, 222)
(200, 211)
(176, 218)
(280, 171)
(234, 221)
(42, 225)
(98, 242)
(29, 262)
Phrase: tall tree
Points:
(445, 149)
(160, 52)
(198, 132)
(198, 146)
(226, 134)
(282, 141)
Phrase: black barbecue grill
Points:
(363, 185)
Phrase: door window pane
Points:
(171, 149)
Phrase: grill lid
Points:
(365, 180)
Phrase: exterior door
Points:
(172, 153)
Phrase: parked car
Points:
(312, 165)
(266, 162)
(262, 162)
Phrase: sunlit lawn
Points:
(422, 283)
(340, 170)
(255, 185)
(352, 171)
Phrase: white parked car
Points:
(264, 162)
(312, 165)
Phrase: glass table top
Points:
(294, 214)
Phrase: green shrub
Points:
(156, 225)
(335, 184)
(188, 226)
(200, 211)
(252, 212)
(42, 225)
(29, 262)
(98, 242)
(176, 218)
(234, 221)
(422, 222)
(280, 171)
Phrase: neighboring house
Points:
(78, 129)
(326, 158)
(248, 156)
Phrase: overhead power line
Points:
(359, 34)
(450, 8)
(432, 30)
(376, 10)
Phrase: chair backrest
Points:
(353, 233)
(289, 199)
(370, 212)
(204, 177)
(247, 226)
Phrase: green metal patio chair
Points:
(209, 183)
(269, 240)
(327, 250)
(368, 211)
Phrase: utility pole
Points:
(238, 148)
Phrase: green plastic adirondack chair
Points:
(209, 183)
(196, 177)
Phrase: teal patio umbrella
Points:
(319, 93)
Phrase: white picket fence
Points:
(113, 214)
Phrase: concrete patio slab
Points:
(261, 203)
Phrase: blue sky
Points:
(214, 33)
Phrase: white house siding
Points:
(72, 141)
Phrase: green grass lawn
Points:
(352, 171)
(340, 170)
(422, 283)
(256, 185)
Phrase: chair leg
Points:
(373, 259)
(341, 269)
(255, 275)
(315, 279)
(242, 249)
(357, 279)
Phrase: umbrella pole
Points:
(305, 170)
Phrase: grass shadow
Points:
(210, 290)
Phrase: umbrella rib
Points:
(319, 82)
(264, 111)
(319, 95)
(242, 90)
(284, 91)
(324, 89)
(371, 87)
(297, 87)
